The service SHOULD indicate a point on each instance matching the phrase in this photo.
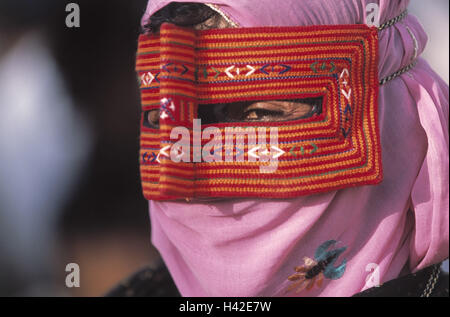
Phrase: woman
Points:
(338, 242)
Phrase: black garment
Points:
(429, 282)
(155, 281)
(151, 281)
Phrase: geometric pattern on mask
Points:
(338, 148)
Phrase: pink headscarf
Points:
(248, 247)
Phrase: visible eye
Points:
(151, 118)
(265, 111)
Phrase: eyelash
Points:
(262, 112)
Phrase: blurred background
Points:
(69, 126)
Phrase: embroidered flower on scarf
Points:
(313, 271)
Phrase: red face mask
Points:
(184, 73)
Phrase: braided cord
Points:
(397, 73)
(385, 25)
(392, 21)
(432, 281)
